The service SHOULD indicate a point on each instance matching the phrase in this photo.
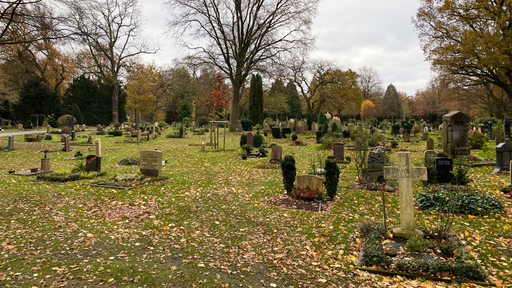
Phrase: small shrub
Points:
(47, 137)
(258, 139)
(332, 176)
(417, 244)
(115, 133)
(246, 124)
(294, 137)
(325, 128)
(289, 172)
(243, 139)
(276, 132)
(129, 161)
(202, 121)
(285, 131)
(476, 140)
(460, 176)
(327, 142)
(263, 152)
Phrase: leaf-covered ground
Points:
(211, 225)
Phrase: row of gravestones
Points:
(439, 168)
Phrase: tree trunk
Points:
(115, 104)
(235, 110)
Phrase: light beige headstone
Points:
(312, 182)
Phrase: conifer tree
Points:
(391, 105)
(256, 100)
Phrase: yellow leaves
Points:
(322, 280)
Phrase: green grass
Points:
(210, 225)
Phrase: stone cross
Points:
(405, 173)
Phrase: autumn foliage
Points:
(217, 99)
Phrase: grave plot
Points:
(435, 252)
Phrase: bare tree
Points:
(370, 83)
(26, 21)
(310, 77)
(108, 29)
(239, 37)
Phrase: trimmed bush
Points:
(294, 137)
(276, 132)
(476, 140)
(243, 139)
(332, 177)
(285, 131)
(116, 133)
(258, 139)
(289, 172)
(246, 124)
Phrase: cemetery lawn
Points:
(210, 224)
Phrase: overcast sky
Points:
(352, 33)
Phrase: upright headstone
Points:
(444, 168)
(376, 161)
(67, 144)
(405, 173)
(430, 163)
(92, 163)
(430, 144)
(10, 143)
(338, 149)
(455, 134)
(504, 149)
(250, 138)
(310, 182)
(151, 163)
(97, 144)
(45, 162)
(425, 136)
(276, 154)
(89, 139)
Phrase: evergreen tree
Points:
(294, 101)
(37, 98)
(256, 100)
(391, 105)
(277, 102)
(90, 102)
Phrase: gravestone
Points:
(89, 139)
(250, 138)
(444, 168)
(504, 149)
(276, 154)
(45, 161)
(10, 143)
(151, 163)
(425, 136)
(455, 134)
(430, 144)
(67, 144)
(338, 149)
(92, 163)
(376, 161)
(310, 182)
(97, 145)
(430, 163)
(405, 174)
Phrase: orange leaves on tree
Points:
(217, 99)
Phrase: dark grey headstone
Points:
(92, 163)
(444, 168)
